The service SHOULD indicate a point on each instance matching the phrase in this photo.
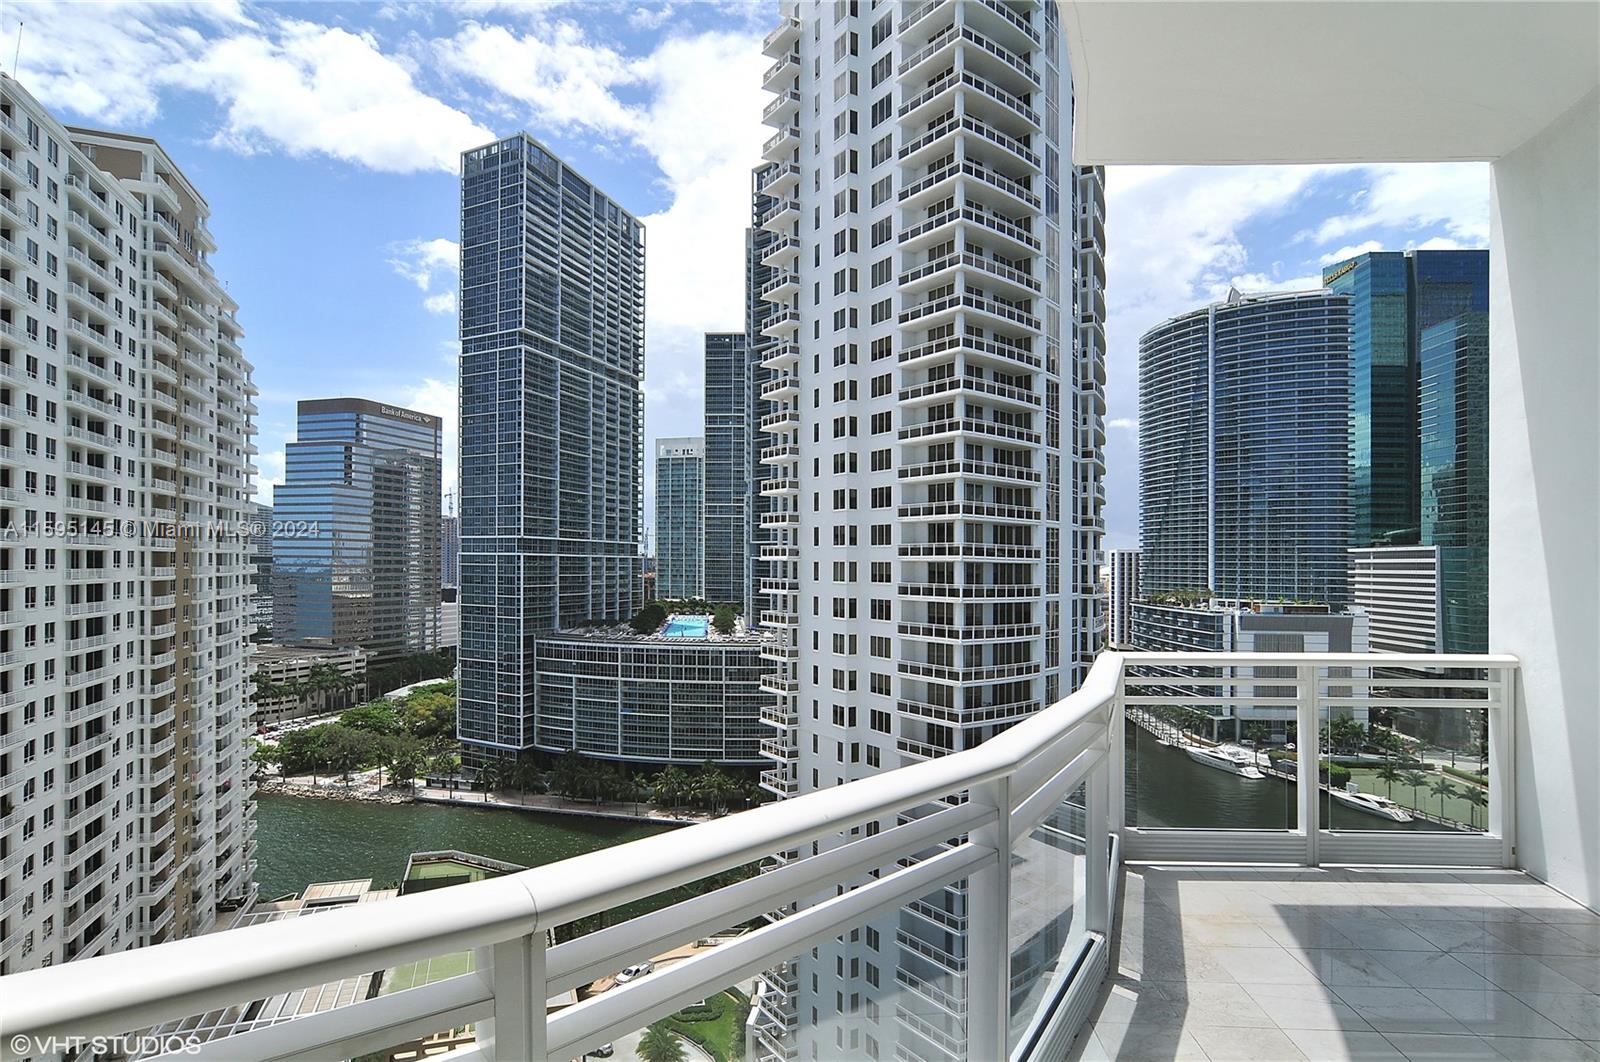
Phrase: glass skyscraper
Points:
(680, 518)
(727, 460)
(1455, 474)
(1243, 449)
(1411, 422)
(1383, 398)
(552, 369)
(355, 553)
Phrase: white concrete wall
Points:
(1544, 488)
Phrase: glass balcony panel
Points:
(1205, 753)
(720, 1026)
(1402, 751)
(1047, 923)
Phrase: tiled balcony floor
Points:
(1394, 964)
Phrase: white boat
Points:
(1230, 758)
(1372, 804)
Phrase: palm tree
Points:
(444, 765)
(405, 761)
(1478, 799)
(1416, 780)
(526, 775)
(668, 786)
(492, 775)
(1442, 788)
(1390, 774)
(660, 1044)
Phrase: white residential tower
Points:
(934, 438)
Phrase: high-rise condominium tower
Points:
(762, 551)
(551, 423)
(680, 517)
(1122, 590)
(933, 440)
(355, 561)
(449, 551)
(1243, 446)
(125, 477)
(1395, 298)
(727, 467)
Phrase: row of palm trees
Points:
(1438, 785)
(322, 684)
(577, 777)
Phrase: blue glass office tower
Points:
(1419, 417)
(1383, 398)
(1243, 449)
(552, 370)
(355, 553)
(1396, 296)
(1454, 420)
(727, 461)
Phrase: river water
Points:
(1165, 788)
(303, 839)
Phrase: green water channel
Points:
(301, 840)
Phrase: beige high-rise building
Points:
(126, 441)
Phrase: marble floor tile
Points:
(1496, 1013)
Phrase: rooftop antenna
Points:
(16, 56)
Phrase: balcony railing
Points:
(1049, 795)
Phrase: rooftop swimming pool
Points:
(687, 627)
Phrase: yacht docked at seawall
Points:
(1225, 757)
(1371, 803)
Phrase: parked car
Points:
(603, 1051)
(636, 971)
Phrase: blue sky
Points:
(326, 136)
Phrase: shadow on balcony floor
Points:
(1347, 963)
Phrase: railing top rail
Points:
(1205, 659)
(132, 989)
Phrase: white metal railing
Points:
(1011, 782)
(1439, 707)
(977, 810)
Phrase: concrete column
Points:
(1544, 485)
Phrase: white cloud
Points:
(283, 84)
(1412, 196)
(704, 131)
(270, 463)
(1350, 252)
(419, 261)
(110, 62)
(647, 18)
(1443, 243)
(566, 80)
(322, 90)
(425, 261)
(1129, 424)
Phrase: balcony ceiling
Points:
(1212, 81)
